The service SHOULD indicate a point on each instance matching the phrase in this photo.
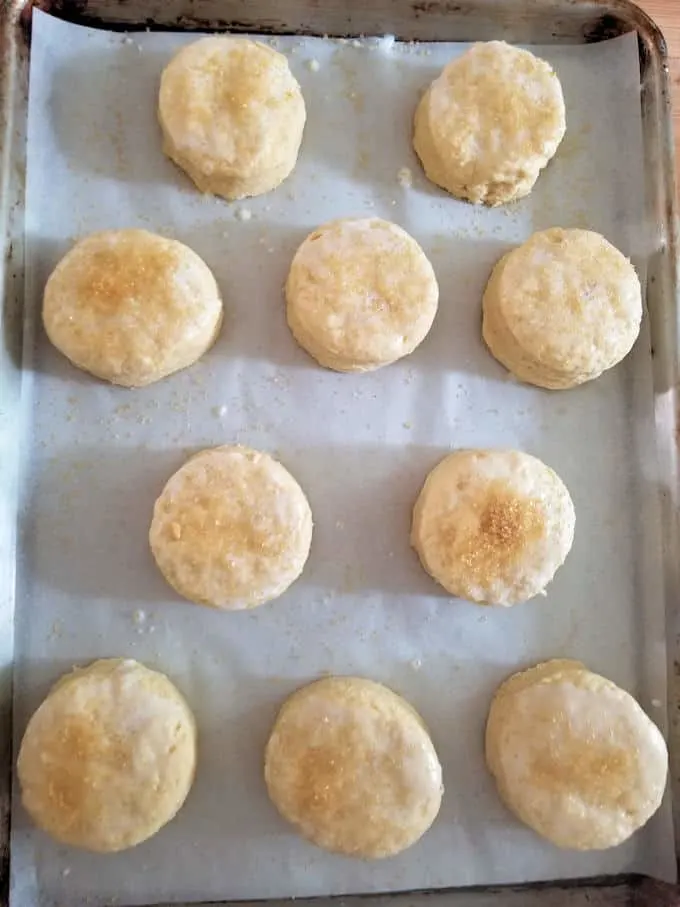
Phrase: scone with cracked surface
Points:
(489, 124)
(131, 307)
(109, 757)
(493, 526)
(231, 529)
(232, 115)
(351, 765)
(574, 756)
(360, 294)
(562, 308)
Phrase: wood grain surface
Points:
(666, 14)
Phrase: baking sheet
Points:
(360, 445)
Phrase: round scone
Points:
(109, 757)
(574, 756)
(351, 765)
(562, 308)
(360, 294)
(231, 529)
(493, 526)
(131, 307)
(489, 123)
(232, 115)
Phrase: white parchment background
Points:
(360, 447)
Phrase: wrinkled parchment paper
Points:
(360, 447)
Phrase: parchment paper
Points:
(360, 447)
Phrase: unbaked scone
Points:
(562, 308)
(351, 765)
(489, 124)
(493, 526)
(109, 757)
(131, 307)
(360, 294)
(574, 756)
(232, 115)
(231, 529)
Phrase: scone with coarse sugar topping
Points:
(562, 308)
(232, 115)
(360, 294)
(488, 125)
(109, 757)
(493, 526)
(351, 765)
(231, 529)
(131, 307)
(574, 756)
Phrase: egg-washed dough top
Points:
(363, 290)
(232, 528)
(575, 756)
(229, 105)
(493, 525)
(494, 109)
(109, 756)
(351, 764)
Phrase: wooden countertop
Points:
(666, 14)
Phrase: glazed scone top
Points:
(575, 756)
(232, 528)
(226, 104)
(352, 766)
(109, 756)
(495, 111)
(361, 293)
(131, 307)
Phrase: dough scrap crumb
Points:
(405, 177)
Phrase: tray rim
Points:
(612, 17)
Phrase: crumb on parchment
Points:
(405, 177)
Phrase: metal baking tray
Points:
(518, 21)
